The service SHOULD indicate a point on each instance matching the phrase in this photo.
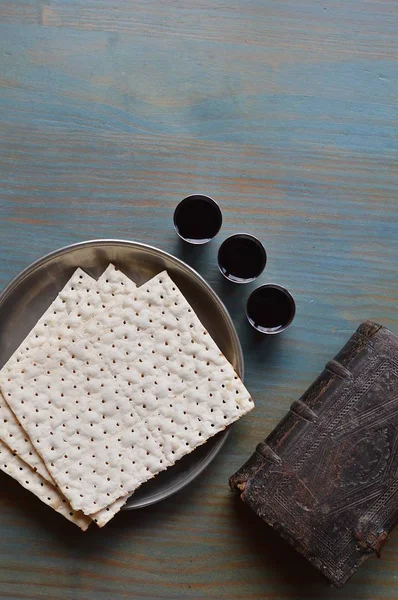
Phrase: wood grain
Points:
(286, 113)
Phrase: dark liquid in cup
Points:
(197, 219)
(270, 309)
(241, 258)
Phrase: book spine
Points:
(305, 410)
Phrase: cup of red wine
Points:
(270, 309)
(197, 219)
(241, 258)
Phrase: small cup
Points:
(241, 258)
(270, 309)
(197, 219)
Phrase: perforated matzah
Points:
(87, 441)
(11, 431)
(114, 282)
(103, 516)
(29, 479)
(150, 376)
(164, 359)
(73, 294)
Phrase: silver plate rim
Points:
(192, 273)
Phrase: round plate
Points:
(27, 297)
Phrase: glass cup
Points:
(241, 258)
(270, 309)
(197, 219)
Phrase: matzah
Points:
(103, 516)
(74, 292)
(29, 479)
(11, 430)
(70, 409)
(132, 384)
(163, 358)
(113, 282)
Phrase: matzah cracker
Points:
(241, 404)
(161, 355)
(114, 282)
(87, 440)
(102, 517)
(73, 294)
(79, 300)
(11, 430)
(29, 479)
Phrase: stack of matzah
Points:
(113, 385)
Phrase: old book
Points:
(326, 478)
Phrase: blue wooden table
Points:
(286, 112)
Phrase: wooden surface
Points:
(285, 111)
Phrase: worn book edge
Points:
(303, 410)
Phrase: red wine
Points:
(241, 258)
(197, 219)
(270, 308)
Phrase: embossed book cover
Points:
(326, 478)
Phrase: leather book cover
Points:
(326, 478)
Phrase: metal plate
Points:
(26, 298)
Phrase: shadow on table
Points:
(197, 256)
(271, 552)
(32, 513)
(265, 550)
